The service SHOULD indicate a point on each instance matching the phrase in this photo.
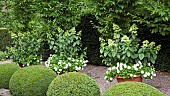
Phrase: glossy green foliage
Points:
(31, 81)
(73, 84)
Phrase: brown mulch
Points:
(161, 81)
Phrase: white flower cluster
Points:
(68, 65)
(130, 70)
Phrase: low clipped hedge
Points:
(73, 84)
(132, 89)
(31, 81)
(6, 71)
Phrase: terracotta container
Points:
(138, 78)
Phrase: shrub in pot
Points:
(31, 81)
(73, 84)
(126, 57)
(6, 72)
(132, 89)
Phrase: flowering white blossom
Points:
(105, 77)
(118, 71)
(128, 67)
(136, 69)
(109, 69)
(117, 64)
(125, 66)
(55, 68)
(113, 68)
(148, 74)
(66, 66)
(131, 75)
(145, 75)
(139, 62)
(85, 65)
(149, 64)
(142, 72)
(154, 74)
(134, 75)
(60, 70)
(121, 68)
(111, 79)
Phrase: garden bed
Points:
(161, 81)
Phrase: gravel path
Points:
(161, 81)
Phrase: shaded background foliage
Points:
(45, 16)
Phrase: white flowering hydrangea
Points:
(67, 65)
(130, 70)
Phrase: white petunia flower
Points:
(142, 72)
(55, 68)
(117, 64)
(128, 67)
(148, 74)
(136, 69)
(60, 70)
(140, 62)
(111, 79)
(154, 74)
(69, 58)
(85, 65)
(121, 68)
(131, 75)
(149, 64)
(113, 68)
(134, 75)
(109, 68)
(145, 75)
(125, 66)
(105, 77)
(118, 71)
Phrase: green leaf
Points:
(148, 55)
(101, 51)
(118, 56)
(140, 50)
(52, 42)
(153, 60)
(114, 54)
(105, 54)
(155, 56)
(128, 54)
(141, 56)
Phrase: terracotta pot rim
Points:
(131, 77)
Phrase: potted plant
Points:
(60, 65)
(126, 57)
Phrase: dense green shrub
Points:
(31, 81)
(26, 49)
(5, 39)
(132, 89)
(6, 72)
(3, 55)
(73, 84)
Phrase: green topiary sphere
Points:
(6, 71)
(31, 81)
(73, 84)
(132, 89)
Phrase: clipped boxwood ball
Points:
(31, 81)
(73, 84)
(6, 71)
(132, 89)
